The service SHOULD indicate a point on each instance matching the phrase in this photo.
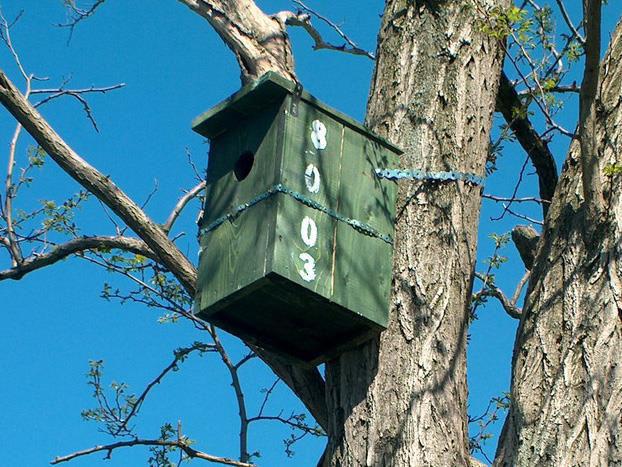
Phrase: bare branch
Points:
(510, 105)
(493, 291)
(180, 355)
(590, 173)
(78, 15)
(569, 23)
(267, 396)
(5, 36)
(501, 199)
(182, 444)
(76, 94)
(258, 41)
(181, 204)
(74, 246)
(307, 384)
(304, 20)
(519, 287)
(506, 208)
(354, 49)
(97, 183)
(57, 92)
(13, 246)
(239, 394)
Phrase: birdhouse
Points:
(296, 234)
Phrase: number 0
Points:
(312, 178)
(308, 231)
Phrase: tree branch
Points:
(493, 291)
(180, 355)
(76, 94)
(97, 183)
(590, 173)
(181, 204)
(179, 443)
(304, 20)
(569, 23)
(77, 245)
(258, 41)
(307, 384)
(510, 105)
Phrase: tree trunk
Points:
(567, 380)
(401, 399)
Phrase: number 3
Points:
(308, 271)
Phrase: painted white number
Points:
(312, 178)
(318, 134)
(308, 231)
(308, 227)
(308, 271)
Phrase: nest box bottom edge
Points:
(286, 318)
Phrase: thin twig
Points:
(521, 216)
(506, 207)
(337, 29)
(239, 394)
(79, 15)
(527, 199)
(266, 397)
(180, 354)
(76, 94)
(569, 23)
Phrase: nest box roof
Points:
(269, 90)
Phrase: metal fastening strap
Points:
(398, 174)
(279, 188)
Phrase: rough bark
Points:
(400, 400)
(567, 380)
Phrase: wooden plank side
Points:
(363, 263)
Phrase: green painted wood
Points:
(259, 135)
(300, 155)
(236, 255)
(362, 263)
(282, 274)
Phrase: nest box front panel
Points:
(305, 235)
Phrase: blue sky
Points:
(174, 67)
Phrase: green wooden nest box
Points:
(296, 235)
